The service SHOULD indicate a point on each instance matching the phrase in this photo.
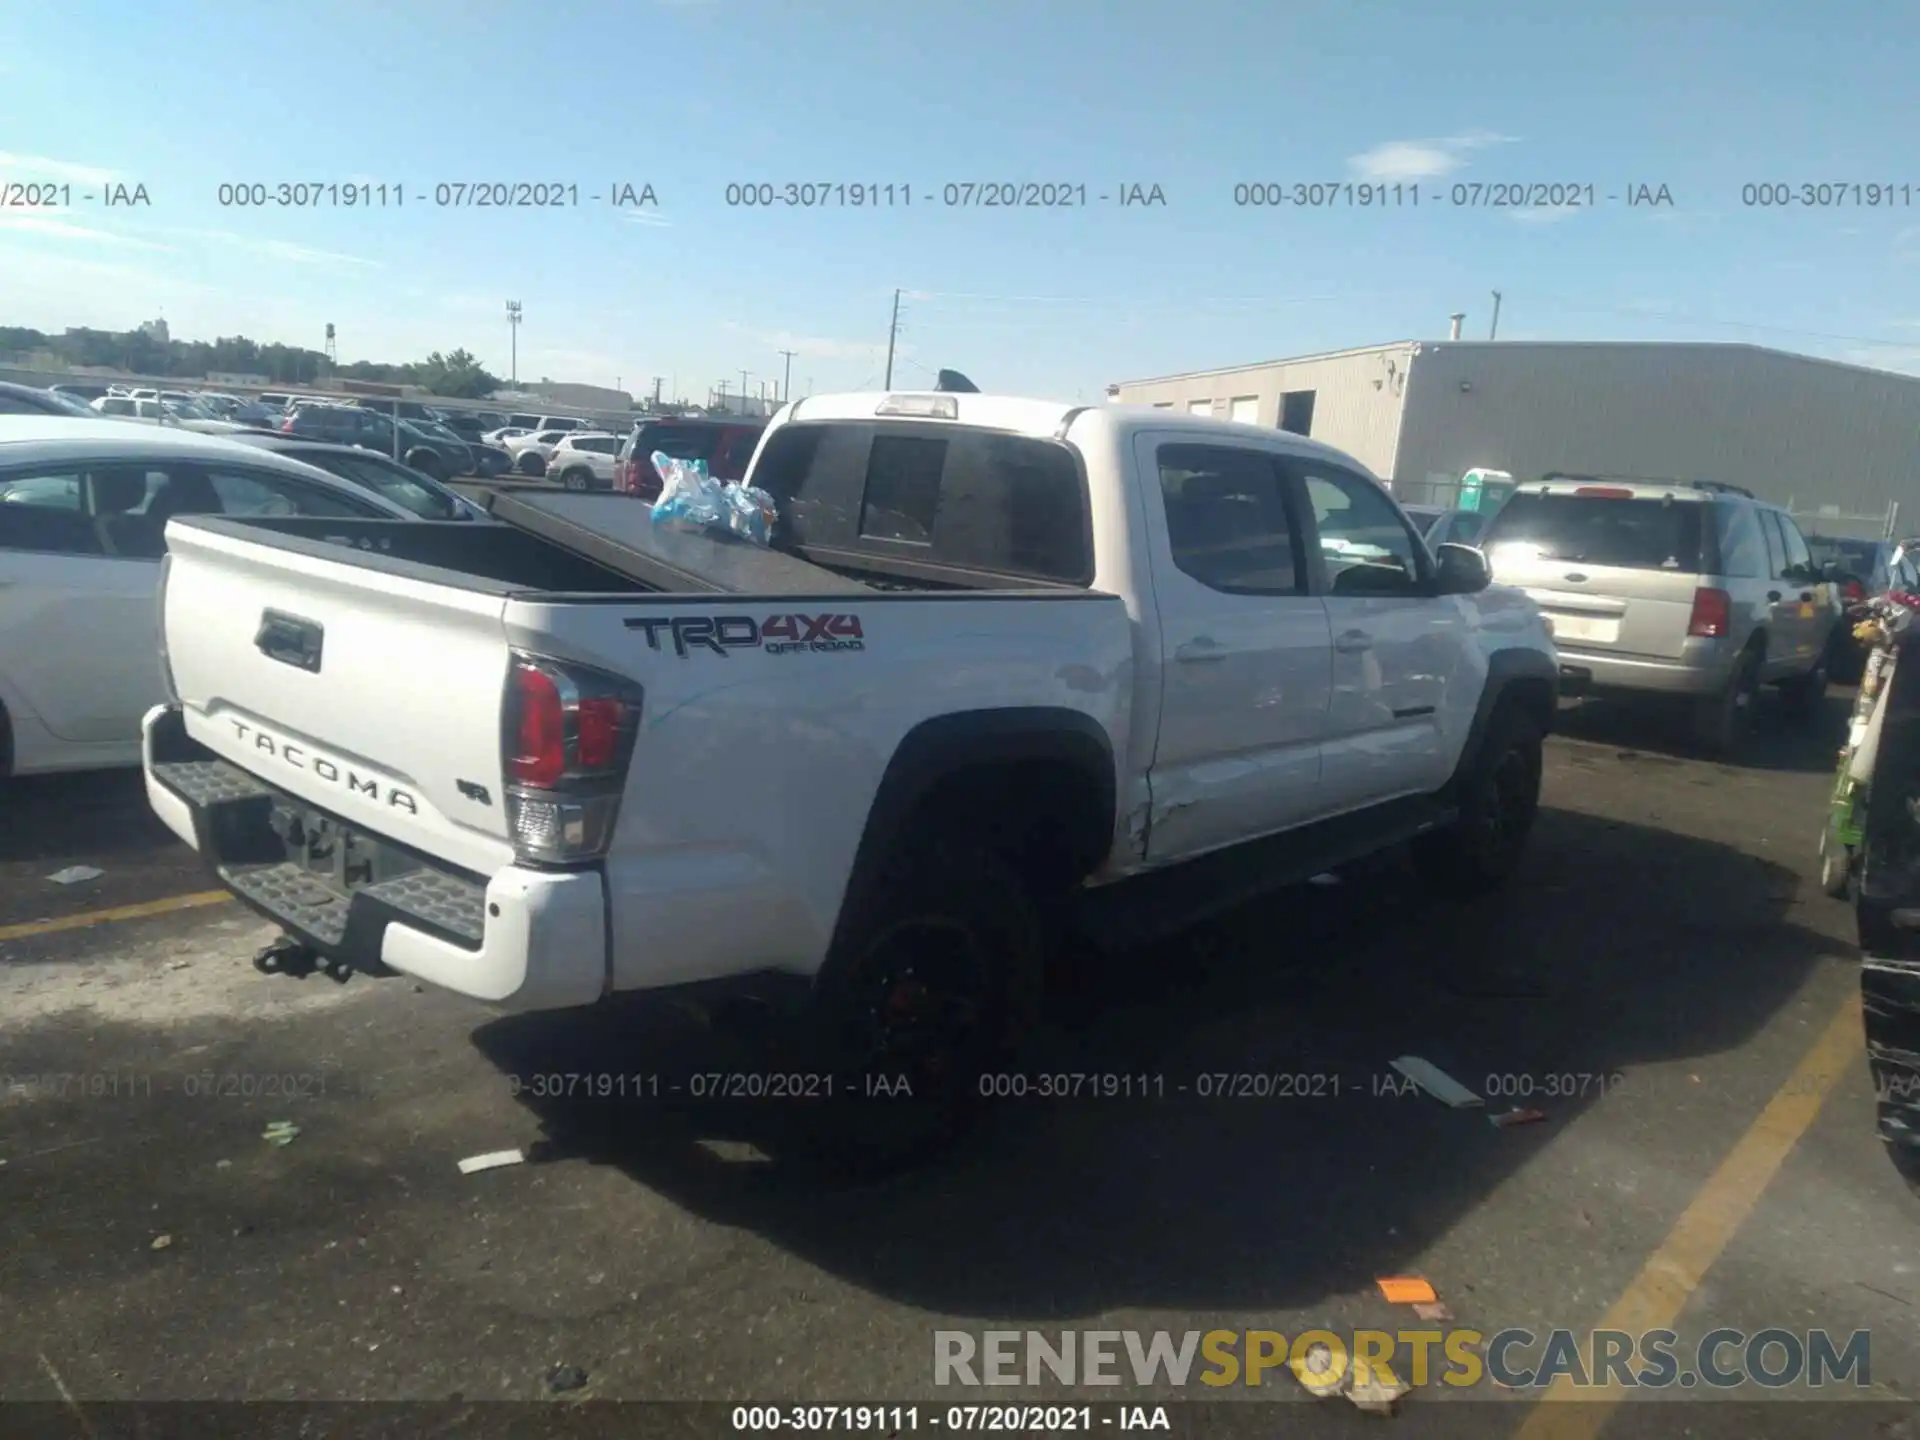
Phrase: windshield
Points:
(393, 482)
(1630, 534)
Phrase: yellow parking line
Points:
(1660, 1291)
(113, 913)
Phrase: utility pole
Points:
(893, 330)
(513, 327)
(786, 385)
(743, 392)
(656, 392)
(1494, 328)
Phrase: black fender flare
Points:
(943, 747)
(1516, 672)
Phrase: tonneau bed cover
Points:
(618, 532)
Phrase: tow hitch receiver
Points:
(287, 956)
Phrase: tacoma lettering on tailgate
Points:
(332, 771)
(776, 634)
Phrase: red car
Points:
(726, 446)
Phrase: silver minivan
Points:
(1694, 590)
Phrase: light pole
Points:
(513, 328)
(786, 385)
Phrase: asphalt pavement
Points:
(1664, 982)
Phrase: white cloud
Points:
(1906, 244)
(60, 171)
(651, 219)
(1403, 160)
(814, 347)
(280, 249)
(45, 222)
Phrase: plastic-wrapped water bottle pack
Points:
(691, 499)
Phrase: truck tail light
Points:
(567, 740)
(1712, 614)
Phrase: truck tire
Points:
(1498, 799)
(1721, 723)
(1836, 865)
(935, 979)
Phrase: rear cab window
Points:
(1612, 527)
(924, 494)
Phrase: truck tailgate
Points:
(371, 695)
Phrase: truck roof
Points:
(1040, 419)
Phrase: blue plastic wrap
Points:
(690, 498)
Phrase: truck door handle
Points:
(1198, 649)
(290, 640)
(1353, 641)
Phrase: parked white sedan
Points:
(84, 507)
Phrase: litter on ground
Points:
(74, 874)
(1436, 1082)
(280, 1132)
(1516, 1117)
(161, 1242)
(493, 1160)
(1379, 1393)
(1432, 1310)
(1406, 1290)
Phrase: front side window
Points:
(244, 492)
(1228, 522)
(389, 481)
(1365, 546)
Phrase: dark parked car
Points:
(32, 400)
(1862, 569)
(438, 457)
(726, 446)
(402, 484)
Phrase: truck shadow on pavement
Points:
(1778, 742)
(1620, 946)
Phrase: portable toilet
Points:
(1485, 491)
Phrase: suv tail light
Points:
(1712, 614)
(567, 738)
(286, 426)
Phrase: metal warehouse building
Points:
(1838, 444)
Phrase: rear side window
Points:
(973, 499)
(1743, 553)
(1626, 534)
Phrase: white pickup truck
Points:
(1007, 664)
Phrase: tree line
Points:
(458, 375)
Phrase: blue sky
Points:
(1196, 98)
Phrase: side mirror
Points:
(1462, 570)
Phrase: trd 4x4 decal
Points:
(776, 634)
